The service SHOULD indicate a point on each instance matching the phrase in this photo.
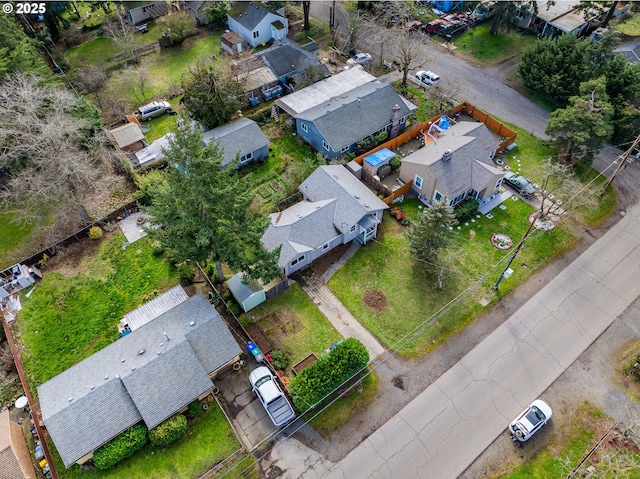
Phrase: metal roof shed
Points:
(249, 295)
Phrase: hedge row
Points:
(170, 430)
(120, 447)
(329, 372)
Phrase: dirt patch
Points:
(375, 300)
(281, 325)
(69, 260)
(398, 382)
(322, 264)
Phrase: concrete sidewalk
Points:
(337, 314)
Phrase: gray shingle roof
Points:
(284, 59)
(471, 145)
(101, 404)
(239, 137)
(354, 199)
(248, 14)
(356, 114)
(335, 201)
(173, 387)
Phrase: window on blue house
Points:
(304, 127)
(325, 145)
(256, 34)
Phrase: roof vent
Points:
(117, 376)
(133, 368)
(141, 352)
(70, 399)
(92, 388)
(161, 344)
(159, 353)
(122, 360)
(446, 156)
(191, 323)
(106, 377)
(356, 197)
(166, 336)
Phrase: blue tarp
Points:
(379, 156)
(443, 123)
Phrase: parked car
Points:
(427, 77)
(271, 396)
(359, 59)
(414, 25)
(519, 183)
(536, 415)
(152, 110)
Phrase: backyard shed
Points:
(232, 43)
(374, 161)
(128, 137)
(249, 295)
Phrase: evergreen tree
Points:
(430, 235)
(205, 211)
(581, 128)
(211, 96)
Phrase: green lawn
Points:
(569, 445)
(208, 441)
(630, 26)
(163, 70)
(69, 317)
(413, 298)
(11, 236)
(293, 323)
(479, 44)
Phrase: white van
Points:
(427, 77)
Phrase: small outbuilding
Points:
(128, 138)
(249, 295)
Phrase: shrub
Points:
(156, 248)
(186, 273)
(466, 209)
(395, 162)
(178, 27)
(95, 232)
(169, 431)
(280, 359)
(120, 447)
(314, 383)
(194, 409)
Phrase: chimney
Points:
(446, 156)
(395, 121)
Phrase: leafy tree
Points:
(430, 236)
(580, 129)
(205, 211)
(211, 95)
(48, 150)
(506, 13)
(217, 11)
(177, 28)
(556, 67)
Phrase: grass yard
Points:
(569, 444)
(11, 236)
(293, 323)
(208, 441)
(410, 321)
(163, 70)
(478, 44)
(630, 26)
(74, 311)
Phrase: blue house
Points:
(335, 114)
(241, 139)
(254, 22)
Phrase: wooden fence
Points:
(398, 193)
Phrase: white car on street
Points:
(536, 415)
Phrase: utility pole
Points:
(517, 250)
(622, 163)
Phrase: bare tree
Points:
(46, 151)
(123, 33)
(408, 51)
(560, 191)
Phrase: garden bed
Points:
(257, 336)
(305, 363)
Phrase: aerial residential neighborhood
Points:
(319, 239)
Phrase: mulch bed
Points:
(321, 265)
(305, 363)
(257, 336)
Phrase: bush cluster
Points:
(280, 359)
(95, 232)
(329, 372)
(467, 209)
(169, 431)
(120, 447)
(186, 273)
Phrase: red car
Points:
(433, 25)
